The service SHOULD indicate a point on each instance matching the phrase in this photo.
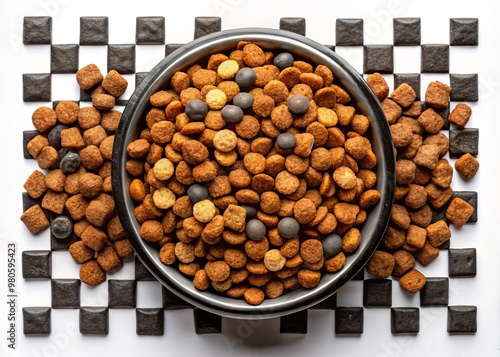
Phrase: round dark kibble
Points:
(255, 229)
(288, 227)
(232, 113)
(196, 110)
(70, 162)
(283, 60)
(197, 193)
(244, 100)
(332, 245)
(286, 140)
(61, 227)
(245, 77)
(54, 136)
(298, 104)
(251, 211)
(60, 154)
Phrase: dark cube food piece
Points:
(435, 58)
(171, 47)
(172, 301)
(377, 292)
(94, 30)
(149, 321)
(378, 58)
(66, 293)
(405, 320)
(294, 24)
(464, 32)
(349, 32)
(206, 25)
(464, 87)
(37, 30)
(462, 319)
(94, 320)
(122, 294)
(294, 323)
(206, 322)
(327, 304)
(64, 58)
(150, 30)
(36, 264)
(36, 320)
(37, 87)
(121, 58)
(141, 272)
(462, 262)
(464, 141)
(406, 31)
(349, 320)
(435, 292)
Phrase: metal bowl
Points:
(363, 99)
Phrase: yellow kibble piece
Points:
(204, 211)
(225, 140)
(327, 117)
(225, 158)
(273, 260)
(163, 198)
(228, 69)
(163, 169)
(216, 99)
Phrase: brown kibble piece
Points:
(404, 95)
(35, 184)
(108, 259)
(438, 233)
(378, 85)
(36, 145)
(254, 296)
(459, 211)
(437, 94)
(460, 115)
(304, 210)
(89, 76)
(34, 219)
(427, 254)
(92, 274)
(100, 209)
(123, 248)
(467, 166)
(403, 262)
(381, 264)
(103, 101)
(427, 156)
(80, 252)
(431, 121)
(308, 279)
(94, 238)
(218, 271)
(413, 281)
(391, 109)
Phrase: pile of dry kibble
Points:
(253, 175)
(73, 150)
(423, 178)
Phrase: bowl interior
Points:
(363, 99)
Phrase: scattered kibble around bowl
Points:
(73, 150)
(423, 181)
(264, 179)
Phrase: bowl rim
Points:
(350, 79)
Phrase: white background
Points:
(243, 338)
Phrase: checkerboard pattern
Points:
(376, 293)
